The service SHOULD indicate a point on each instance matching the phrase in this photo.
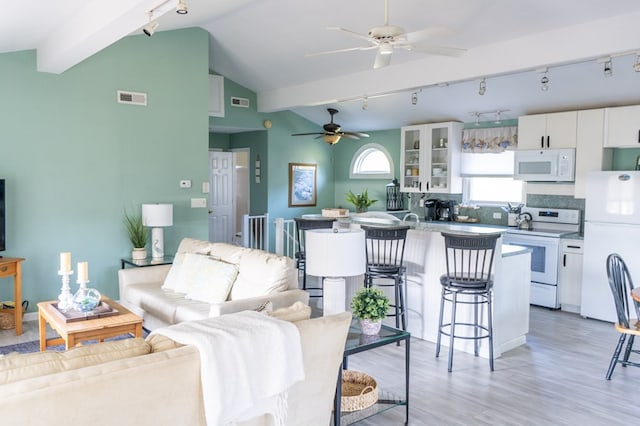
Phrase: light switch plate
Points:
(185, 183)
(198, 203)
(205, 187)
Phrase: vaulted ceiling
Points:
(263, 45)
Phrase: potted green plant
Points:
(137, 235)
(370, 306)
(361, 201)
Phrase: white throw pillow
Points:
(174, 278)
(208, 280)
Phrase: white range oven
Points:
(543, 238)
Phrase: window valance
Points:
(495, 139)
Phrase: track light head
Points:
(150, 28)
(365, 103)
(636, 66)
(414, 98)
(544, 83)
(181, 8)
(608, 68)
(483, 87)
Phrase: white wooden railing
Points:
(255, 231)
(285, 237)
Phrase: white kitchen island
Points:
(425, 262)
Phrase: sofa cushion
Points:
(175, 276)
(17, 367)
(296, 312)
(192, 310)
(160, 303)
(160, 343)
(191, 245)
(261, 273)
(207, 279)
(226, 252)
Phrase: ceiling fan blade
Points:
(307, 134)
(358, 134)
(349, 49)
(420, 35)
(381, 60)
(438, 50)
(353, 33)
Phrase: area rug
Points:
(34, 346)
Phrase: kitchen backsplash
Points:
(484, 214)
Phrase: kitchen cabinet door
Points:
(623, 127)
(590, 154)
(570, 275)
(443, 159)
(544, 131)
(413, 143)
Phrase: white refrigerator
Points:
(612, 225)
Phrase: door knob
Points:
(210, 211)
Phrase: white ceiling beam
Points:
(95, 26)
(573, 44)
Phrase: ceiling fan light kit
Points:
(333, 131)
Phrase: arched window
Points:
(371, 161)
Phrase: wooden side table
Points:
(11, 266)
(72, 333)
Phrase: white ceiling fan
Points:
(389, 37)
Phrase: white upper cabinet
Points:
(590, 155)
(623, 127)
(216, 95)
(430, 158)
(544, 131)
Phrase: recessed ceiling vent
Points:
(132, 98)
(239, 102)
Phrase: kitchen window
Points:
(488, 179)
(371, 161)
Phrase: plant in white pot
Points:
(137, 235)
(370, 306)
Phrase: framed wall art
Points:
(302, 184)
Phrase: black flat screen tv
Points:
(2, 217)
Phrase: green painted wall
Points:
(257, 142)
(625, 158)
(344, 152)
(74, 158)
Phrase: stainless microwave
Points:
(545, 165)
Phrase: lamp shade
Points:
(334, 254)
(155, 215)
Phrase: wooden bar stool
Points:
(468, 281)
(385, 254)
(302, 224)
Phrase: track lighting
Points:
(544, 82)
(608, 68)
(477, 114)
(414, 98)
(150, 28)
(636, 66)
(498, 114)
(365, 103)
(181, 8)
(483, 87)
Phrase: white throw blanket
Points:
(248, 360)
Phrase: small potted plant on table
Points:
(137, 235)
(361, 201)
(370, 306)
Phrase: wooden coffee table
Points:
(71, 333)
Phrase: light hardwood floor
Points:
(557, 378)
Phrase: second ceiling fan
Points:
(389, 37)
(333, 131)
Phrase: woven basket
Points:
(359, 391)
(7, 319)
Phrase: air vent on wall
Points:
(239, 102)
(132, 98)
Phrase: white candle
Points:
(83, 272)
(65, 261)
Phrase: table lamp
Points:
(157, 216)
(334, 255)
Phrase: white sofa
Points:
(157, 382)
(262, 277)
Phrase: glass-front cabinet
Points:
(437, 166)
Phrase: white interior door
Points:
(221, 197)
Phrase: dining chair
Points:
(621, 287)
(468, 281)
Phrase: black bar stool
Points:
(302, 224)
(468, 281)
(385, 253)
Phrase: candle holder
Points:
(83, 284)
(65, 298)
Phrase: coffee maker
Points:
(445, 210)
(430, 207)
